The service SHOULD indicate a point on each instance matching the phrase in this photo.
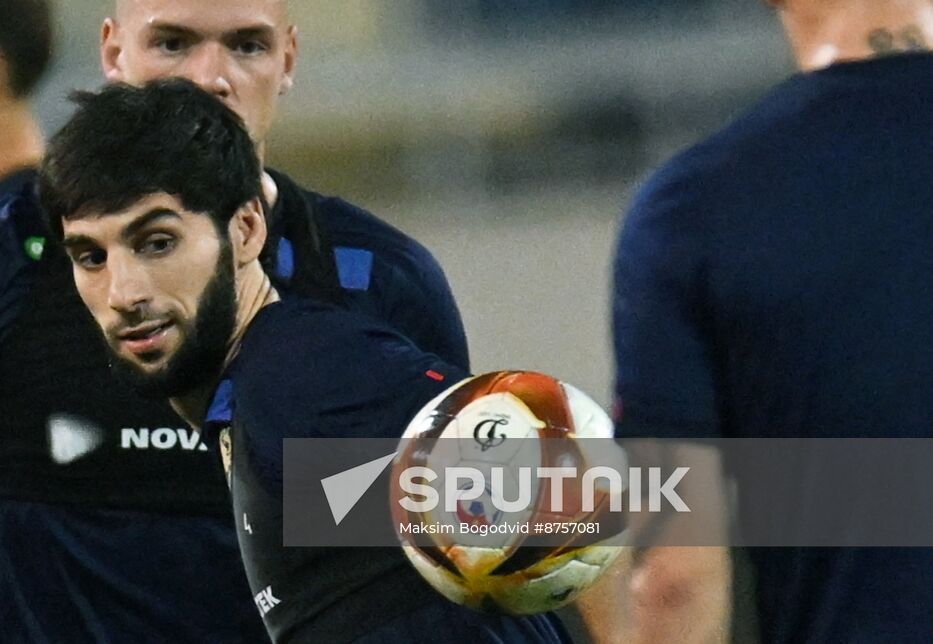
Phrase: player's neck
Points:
(22, 139)
(254, 292)
(826, 32)
(269, 188)
(270, 191)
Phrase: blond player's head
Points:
(242, 51)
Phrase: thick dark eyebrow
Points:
(142, 221)
(74, 241)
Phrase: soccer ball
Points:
(481, 528)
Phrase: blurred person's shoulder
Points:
(18, 200)
(781, 140)
(382, 271)
(350, 226)
(22, 229)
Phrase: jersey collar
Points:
(220, 412)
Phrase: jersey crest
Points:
(226, 452)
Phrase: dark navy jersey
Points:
(16, 265)
(79, 449)
(105, 498)
(78, 575)
(305, 370)
(774, 281)
(381, 271)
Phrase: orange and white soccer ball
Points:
(484, 438)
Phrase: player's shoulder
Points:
(710, 180)
(22, 227)
(349, 226)
(19, 202)
(788, 118)
(19, 183)
(295, 327)
(301, 360)
(304, 343)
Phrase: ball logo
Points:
(473, 511)
(485, 432)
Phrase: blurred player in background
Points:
(112, 489)
(25, 49)
(773, 281)
(157, 191)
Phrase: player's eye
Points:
(157, 245)
(250, 47)
(170, 45)
(90, 259)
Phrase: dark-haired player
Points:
(166, 241)
(773, 281)
(113, 489)
(244, 52)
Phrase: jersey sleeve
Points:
(664, 355)
(386, 273)
(420, 304)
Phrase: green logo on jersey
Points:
(35, 246)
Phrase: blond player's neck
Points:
(824, 32)
(23, 144)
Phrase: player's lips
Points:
(145, 338)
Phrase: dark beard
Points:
(202, 353)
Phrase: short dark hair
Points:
(25, 42)
(124, 143)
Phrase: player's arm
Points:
(670, 593)
(667, 388)
(425, 310)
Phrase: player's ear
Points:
(111, 51)
(291, 57)
(247, 231)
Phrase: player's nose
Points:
(129, 286)
(208, 68)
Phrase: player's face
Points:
(242, 51)
(159, 281)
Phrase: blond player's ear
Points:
(111, 51)
(291, 58)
